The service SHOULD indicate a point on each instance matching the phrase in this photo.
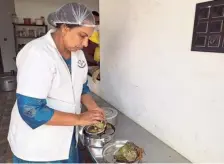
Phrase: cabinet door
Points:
(7, 42)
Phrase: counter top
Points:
(126, 129)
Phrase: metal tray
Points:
(111, 148)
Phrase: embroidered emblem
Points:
(81, 63)
(29, 111)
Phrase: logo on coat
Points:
(81, 63)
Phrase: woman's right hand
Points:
(90, 117)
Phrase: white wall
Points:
(37, 8)
(94, 87)
(150, 74)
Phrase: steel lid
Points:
(110, 112)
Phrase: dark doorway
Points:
(1, 62)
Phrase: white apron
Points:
(48, 77)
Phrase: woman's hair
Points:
(58, 25)
(95, 13)
(72, 13)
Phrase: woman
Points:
(52, 81)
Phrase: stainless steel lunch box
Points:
(96, 141)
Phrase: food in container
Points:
(122, 151)
(97, 128)
(129, 153)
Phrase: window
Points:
(208, 33)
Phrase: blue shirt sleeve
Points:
(85, 89)
(33, 111)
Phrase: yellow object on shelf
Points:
(97, 54)
(95, 37)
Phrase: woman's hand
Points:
(90, 104)
(98, 109)
(90, 117)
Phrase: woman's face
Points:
(76, 38)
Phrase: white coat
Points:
(43, 74)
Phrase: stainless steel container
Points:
(96, 141)
(111, 115)
(111, 148)
(96, 152)
(8, 83)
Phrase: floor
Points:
(7, 100)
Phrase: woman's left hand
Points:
(98, 109)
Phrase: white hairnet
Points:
(72, 13)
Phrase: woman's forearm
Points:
(36, 113)
(64, 119)
(88, 101)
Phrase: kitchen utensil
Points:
(24, 32)
(99, 140)
(39, 21)
(39, 32)
(27, 20)
(111, 115)
(31, 33)
(111, 148)
(8, 83)
(96, 152)
(15, 19)
(12, 73)
(43, 19)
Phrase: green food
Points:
(92, 130)
(129, 153)
(98, 127)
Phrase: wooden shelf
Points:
(29, 25)
(29, 37)
(17, 38)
